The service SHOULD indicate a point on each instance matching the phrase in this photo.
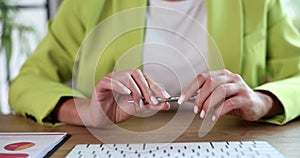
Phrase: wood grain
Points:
(285, 138)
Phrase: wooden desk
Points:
(285, 138)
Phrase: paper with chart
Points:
(29, 145)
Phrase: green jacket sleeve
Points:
(283, 64)
(40, 84)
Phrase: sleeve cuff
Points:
(287, 95)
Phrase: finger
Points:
(160, 106)
(128, 109)
(218, 111)
(216, 79)
(209, 86)
(231, 104)
(198, 82)
(144, 86)
(141, 108)
(109, 84)
(218, 97)
(156, 89)
(136, 92)
(196, 106)
(239, 106)
(213, 101)
(126, 79)
(192, 88)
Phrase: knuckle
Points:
(210, 80)
(104, 80)
(237, 77)
(110, 74)
(127, 75)
(155, 87)
(136, 72)
(249, 98)
(201, 77)
(230, 103)
(227, 71)
(222, 88)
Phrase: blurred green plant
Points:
(8, 25)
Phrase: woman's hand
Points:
(224, 92)
(109, 103)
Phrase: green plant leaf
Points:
(9, 25)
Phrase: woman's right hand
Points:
(109, 103)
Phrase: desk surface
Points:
(285, 138)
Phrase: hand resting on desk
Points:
(228, 93)
(109, 103)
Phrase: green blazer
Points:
(254, 37)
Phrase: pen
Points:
(171, 99)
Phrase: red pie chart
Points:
(18, 146)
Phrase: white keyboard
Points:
(244, 149)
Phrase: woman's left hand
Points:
(227, 92)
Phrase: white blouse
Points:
(175, 48)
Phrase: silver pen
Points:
(161, 100)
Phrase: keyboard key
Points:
(244, 149)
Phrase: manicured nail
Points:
(181, 99)
(154, 100)
(169, 106)
(213, 118)
(166, 94)
(202, 114)
(141, 103)
(126, 90)
(196, 109)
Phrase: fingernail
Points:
(126, 90)
(141, 103)
(181, 99)
(166, 94)
(154, 100)
(169, 106)
(202, 114)
(213, 118)
(196, 109)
